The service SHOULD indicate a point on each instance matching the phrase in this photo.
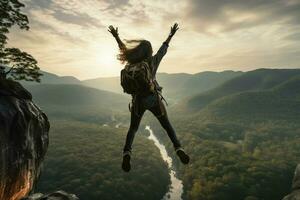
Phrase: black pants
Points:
(154, 104)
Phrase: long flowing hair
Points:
(135, 51)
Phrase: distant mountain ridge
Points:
(257, 80)
(50, 78)
(78, 102)
(105, 83)
(175, 86)
(256, 95)
(277, 103)
(77, 95)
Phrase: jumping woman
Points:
(138, 78)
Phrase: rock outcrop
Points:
(295, 194)
(23, 140)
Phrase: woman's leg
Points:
(136, 116)
(134, 125)
(161, 114)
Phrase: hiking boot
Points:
(184, 158)
(126, 161)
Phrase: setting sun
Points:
(105, 58)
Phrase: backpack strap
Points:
(162, 97)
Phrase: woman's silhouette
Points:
(142, 52)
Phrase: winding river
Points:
(176, 187)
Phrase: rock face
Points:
(23, 140)
(295, 194)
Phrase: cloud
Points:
(33, 4)
(78, 18)
(69, 37)
(214, 16)
(115, 4)
(293, 37)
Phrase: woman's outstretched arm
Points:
(114, 32)
(163, 49)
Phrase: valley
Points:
(243, 137)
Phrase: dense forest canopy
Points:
(85, 159)
(244, 143)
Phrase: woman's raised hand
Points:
(174, 28)
(113, 31)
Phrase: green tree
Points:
(22, 65)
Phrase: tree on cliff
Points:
(22, 66)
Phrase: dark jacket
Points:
(141, 102)
(154, 62)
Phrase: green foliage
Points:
(10, 15)
(236, 160)
(243, 145)
(22, 65)
(85, 159)
(257, 80)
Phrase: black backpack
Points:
(137, 78)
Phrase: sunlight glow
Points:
(105, 58)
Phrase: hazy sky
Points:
(70, 37)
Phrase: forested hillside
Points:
(260, 79)
(279, 103)
(67, 101)
(85, 159)
(244, 142)
(85, 151)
